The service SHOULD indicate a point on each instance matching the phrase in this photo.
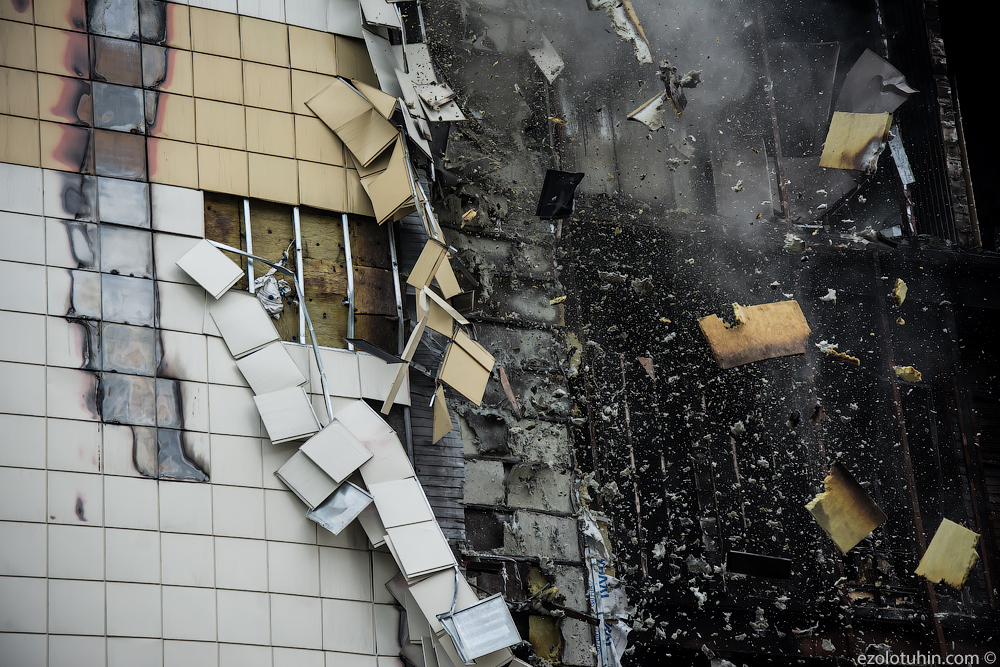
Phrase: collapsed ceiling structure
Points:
(388, 333)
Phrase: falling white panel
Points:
(210, 268)
(306, 480)
(243, 323)
(287, 415)
(269, 369)
(419, 548)
(336, 451)
(400, 502)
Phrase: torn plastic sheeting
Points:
(873, 86)
(611, 636)
(675, 85)
(342, 507)
(761, 332)
(650, 113)
(845, 510)
(950, 555)
(556, 199)
(271, 292)
(547, 59)
(626, 25)
(855, 141)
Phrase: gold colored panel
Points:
(170, 116)
(67, 147)
(64, 14)
(213, 32)
(305, 85)
(19, 141)
(264, 41)
(223, 170)
(16, 10)
(169, 70)
(18, 92)
(218, 78)
(220, 124)
(172, 162)
(312, 50)
(845, 510)
(270, 132)
(178, 27)
(62, 52)
(274, 179)
(353, 61)
(315, 142)
(17, 45)
(765, 331)
(950, 555)
(65, 100)
(855, 140)
(267, 87)
(323, 186)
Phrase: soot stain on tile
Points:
(76, 102)
(78, 196)
(80, 512)
(153, 21)
(74, 149)
(176, 458)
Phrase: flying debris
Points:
(845, 510)
(676, 84)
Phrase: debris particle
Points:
(868, 234)
(900, 321)
(469, 215)
(818, 415)
(794, 245)
(843, 356)
(647, 364)
(676, 84)
(612, 277)
(908, 373)
(558, 121)
(739, 186)
(558, 299)
(643, 285)
(793, 419)
(828, 645)
(774, 285)
(950, 555)
(830, 297)
(899, 292)
(738, 428)
(845, 510)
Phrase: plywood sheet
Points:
(762, 332)
(845, 510)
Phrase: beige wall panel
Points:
(170, 116)
(305, 85)
(17, 45)
(220, 124)
(65, 100)
(312, 50)
(217, 33)
(218, 78)
(62, 52)
(19, 141)
(169, 70)
(13, 10)
(267, 87)
(357, 199)
(172, 162)
(67, 147)
(270, 132)
(223, 170)
(323, 186)
(353, 61)
(18, 92)
(315, 142)
(264, 41)
(63, 14)
(274, 179)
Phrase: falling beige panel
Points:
(761, 332)
(67, 147)
(62, 52)
(169, 70)
(353, 61)
(65, 100)
(264, 41)
(19, 141)
(18, 92)
(223, 170)
(305, 86)
(323, 186)
(274, 179)
(213, 32)
(16, 10)
(845, 510)
(220, 124)
(950, 555)
(855, 140)
(170, 116)
(270, 132)
(358, 202)
(217, 78)
(315, 142)
(17, 45)
(172, 162)
(267, 86)
(62, 14)
(312, 50)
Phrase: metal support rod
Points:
(401, 329)
(302, 309)
(350, 279)
(298, 272)
(246, 230)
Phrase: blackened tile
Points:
(118, 108)
(128, 399)
(115, 61)
(72, 244)
(128, 349)
(67, 148)
(153, 21)
(114, 18)
(70, 196)
(119, 154)
(178, 456)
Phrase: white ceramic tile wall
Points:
(118, 568)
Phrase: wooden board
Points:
(373, 292)
(369, 243)
(768, 330)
